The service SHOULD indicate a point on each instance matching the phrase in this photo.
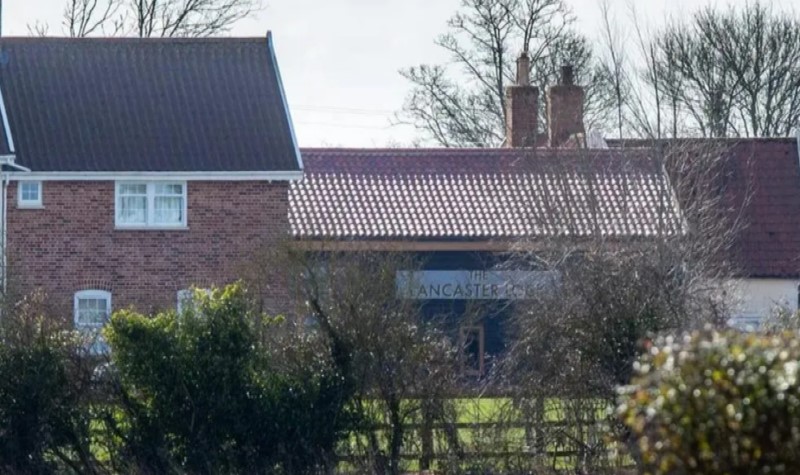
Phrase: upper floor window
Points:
(30, 194)
(150, 204)
(92, 308)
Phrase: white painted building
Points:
(757, 299)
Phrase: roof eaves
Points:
(255, 175)
(274, 61)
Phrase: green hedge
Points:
(716, 403)
(201, 395)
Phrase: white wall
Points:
(754, 299)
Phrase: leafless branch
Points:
(149, 18)
(465, 105)
(86, 17)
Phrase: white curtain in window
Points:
(168, 204)
(132, 204)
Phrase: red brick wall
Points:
(522, 112)
(71, 244)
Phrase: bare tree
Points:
(193, 18)
(466, 106)
(734, 72)
(647, 98)
(577, 341)
(723, 73)
(38, 28)
(403, 367)
(614, 64)
(707, 88)
(85, 17)
(152, 18)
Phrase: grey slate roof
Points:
(146, 105)
(477, 194)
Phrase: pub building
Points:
(461, 210)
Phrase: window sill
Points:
(31, 206)
(151, 228)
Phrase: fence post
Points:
(426, 434)
(538, 416)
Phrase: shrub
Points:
(44, 391)
(716, 403)
(201, 395)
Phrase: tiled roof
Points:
(109, 105)
(766, 173)
(446, 194)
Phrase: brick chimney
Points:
(565, 111)
(522, 102)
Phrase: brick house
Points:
(134, 169)
(460, 210)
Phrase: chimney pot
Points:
(567, 75)
(523, 70)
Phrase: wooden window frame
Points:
(464, 332)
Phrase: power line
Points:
(342, 126)
(344, 110)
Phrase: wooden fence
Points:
(508, 439)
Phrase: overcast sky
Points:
(340, 58)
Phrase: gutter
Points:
(6, 161)
(3, 219)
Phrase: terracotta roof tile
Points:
(479, 194)
(497, 193)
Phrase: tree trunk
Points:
(427, 436)
(396, 440)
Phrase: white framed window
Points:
(30, 194)
(92, 308)
(747, 322)
(150, 204)
(187, 298)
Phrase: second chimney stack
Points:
(565, 110)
